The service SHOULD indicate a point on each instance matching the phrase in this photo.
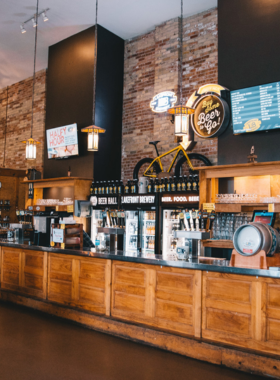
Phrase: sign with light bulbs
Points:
(212, 113)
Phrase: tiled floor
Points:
(36, 346)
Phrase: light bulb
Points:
(22, 28)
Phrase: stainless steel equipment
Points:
(251, 238)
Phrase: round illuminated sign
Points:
(211, 116)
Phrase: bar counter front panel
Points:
(187, 299)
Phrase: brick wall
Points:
(18, 122)
(152, 65)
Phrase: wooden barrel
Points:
(251, 238)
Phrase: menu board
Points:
(256, 108)
(62, 141)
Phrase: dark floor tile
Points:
(37, 346)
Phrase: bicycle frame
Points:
(179, 149)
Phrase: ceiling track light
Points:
(23, 30)
(34, 19)
(45, 17)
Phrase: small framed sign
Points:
(58, 235)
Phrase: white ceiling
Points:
(126, 18)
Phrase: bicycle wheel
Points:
(142, 165)
(179, 168)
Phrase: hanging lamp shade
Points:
(30, 151)
(181, 119)
(93, 137)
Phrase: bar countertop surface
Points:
(154, 260)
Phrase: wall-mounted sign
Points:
(96, 201)
(143, 199)
(256, 108)
(62, 141)
(162, 101)
(180, 199)
(209, 207)
(212, 114)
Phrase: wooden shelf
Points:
(244, 207)
(241, 170)
(57, 179)
(261, 178)
(218, 243)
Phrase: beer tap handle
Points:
(187, 220)
(192, 217)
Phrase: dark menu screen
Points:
(256, 108)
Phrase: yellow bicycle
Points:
(155, 166)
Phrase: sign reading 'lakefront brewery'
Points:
(163, 101)
(142, 199)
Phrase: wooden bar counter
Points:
(227, 316)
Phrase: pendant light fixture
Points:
(181, 113)
(30, 152)
(93, 131)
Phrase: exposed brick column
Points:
(19, 119)
(151, 66)
(200, 63)
(166, 78)
(138, 120)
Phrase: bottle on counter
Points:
(194, 184)
(134, 186)
(69, 172)
(127, 187)
(168, 184)
(156, 186)
(111, 186)
(173, 184)
(179, 184)
(151, 186)
(189, 183)
(91, 190)
(163, 185)
(184, 183)
(103, 187)
(115, 187)
(95, 188)
(120, 187)
(99, 187)
(107, 184)
(160, 185)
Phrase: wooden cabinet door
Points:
(60, 278)
(34, 273)
(129, 285)
(242, 310)
(93, 289)
(166, 298)
(178, 300)
(81, 282)
(24, 271)
(270, 317)
(11, 269)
